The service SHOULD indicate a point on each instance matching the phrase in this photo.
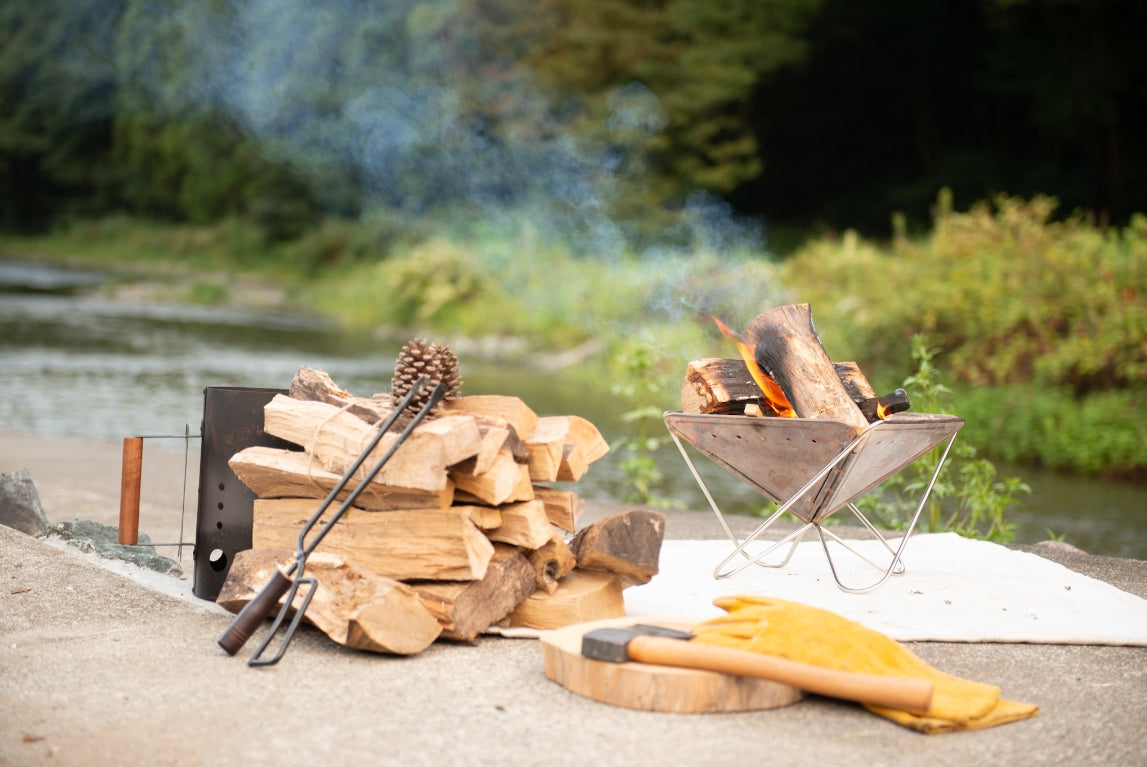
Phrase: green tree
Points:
(698, 64)
(56, 80)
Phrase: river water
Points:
(77, 364)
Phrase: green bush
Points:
(1041, 323)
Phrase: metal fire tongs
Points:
(256, 611)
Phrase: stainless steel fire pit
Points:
(812, 468)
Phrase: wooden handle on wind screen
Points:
(254, 613)
(893, 692)
(131, 475)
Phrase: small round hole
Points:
(218, 560)
(222, 486)
(218, 525)
(221, 505)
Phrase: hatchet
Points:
(669, 647)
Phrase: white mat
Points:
(954, 589)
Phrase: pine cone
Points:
(419, 358)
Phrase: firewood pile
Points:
(463, 530)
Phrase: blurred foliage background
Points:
(621, 170)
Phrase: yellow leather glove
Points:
(819, 637)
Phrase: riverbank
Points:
(103, 669)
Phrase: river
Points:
(78, 364)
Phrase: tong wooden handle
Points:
(131, 476)
(254, 613)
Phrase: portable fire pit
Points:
(806, 433)
(812, 469)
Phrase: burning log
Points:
(714, 385)
(784, 370)
(879, 408)
(786, 347)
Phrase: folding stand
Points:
(812, 468)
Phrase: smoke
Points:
(399, 102)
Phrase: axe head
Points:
(612, 644)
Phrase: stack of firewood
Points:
(463, 529)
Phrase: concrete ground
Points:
(106, 668)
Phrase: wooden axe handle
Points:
(894, 692)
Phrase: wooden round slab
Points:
(650, 687)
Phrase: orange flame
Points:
(774, 397)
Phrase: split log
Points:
(523, 524)
(583, 595)
(352, 606)
(719, 386)
(317, 386)
(552, 562)
(546, 445)
(427, 544)
(275, 473)
(336, 438)
(483, 517)
(512, 410)
(627, 543)
(574, 464)
(854, 381)
(494, 436)
(714, 385)
(505, 482)
(562, 448)
(786, 347)
(563, 507)
(465, 609)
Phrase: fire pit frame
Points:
(812, 468)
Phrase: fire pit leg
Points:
(808, 487)
(794, 537)
(896, 567)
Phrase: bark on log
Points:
(352, 606)
(552, 562)
(854, 381)
(627, 543)
(430, 544)
(316, 385)
(467, 608)
(715, 385)
(787, 348)
(274, 473)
